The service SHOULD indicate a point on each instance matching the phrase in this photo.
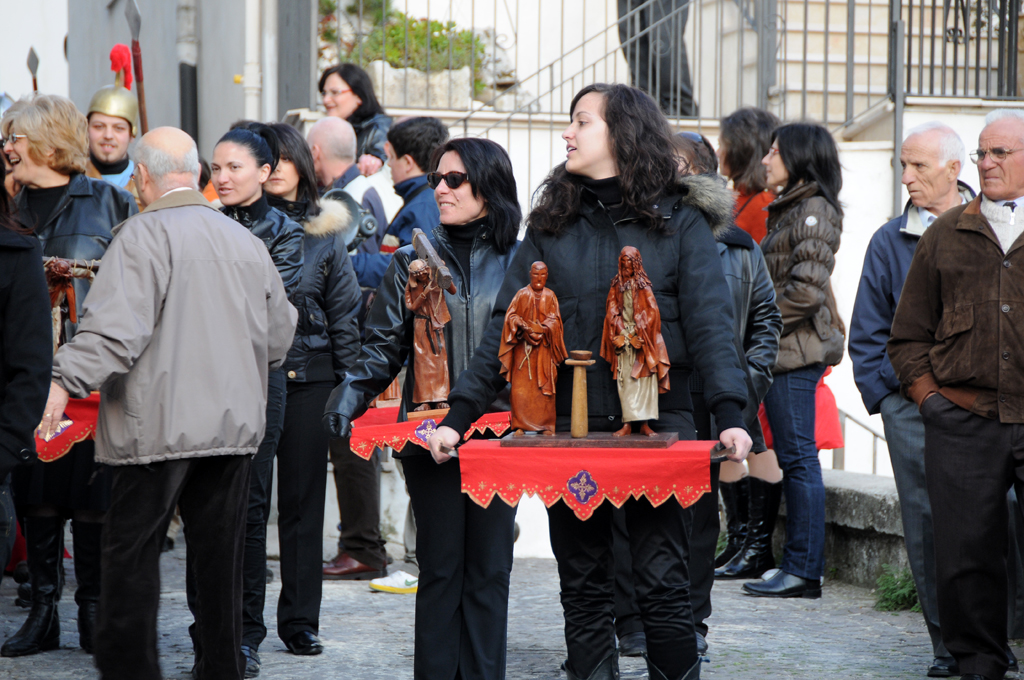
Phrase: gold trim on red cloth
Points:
(584, 478)
(83, 414)
(368, 434)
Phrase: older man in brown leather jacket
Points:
(957, 347)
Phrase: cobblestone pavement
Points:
(368, 635)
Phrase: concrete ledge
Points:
(863, 528)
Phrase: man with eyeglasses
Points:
(957, 348)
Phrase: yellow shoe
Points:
(399, 582)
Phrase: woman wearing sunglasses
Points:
(619, 187)
(464, 551)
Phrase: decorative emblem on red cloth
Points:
(583, 486)
(426, 429)
(80, 417)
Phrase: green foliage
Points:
(373, 10)
(327, 25)
(422, 44)
(896, 591)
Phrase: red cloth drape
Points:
(828, 433)
(584, 478)
(377, 430)
(82, 413)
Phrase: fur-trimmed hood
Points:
(711, 195)
(334, 218)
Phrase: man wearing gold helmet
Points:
(112, 117)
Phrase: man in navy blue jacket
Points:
(409, 147)
(932, 156)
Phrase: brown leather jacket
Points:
(959, 326)
(803, 236)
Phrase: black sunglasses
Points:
(454, 180)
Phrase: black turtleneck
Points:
(42, 202)
(115, 168)
(248, 215)
(297, 210)
(609, 193)
(461, 237)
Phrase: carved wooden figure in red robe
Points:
(531, 349)
(632, 343)
(426, 301)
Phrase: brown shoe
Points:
(345, 568)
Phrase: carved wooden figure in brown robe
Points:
(632, 343)
(426, 301)
(531, 349)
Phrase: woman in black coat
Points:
(619, 188)
(325, 346)
(464, 550)
(348, 94)
(71, 216)
(26, 337)
(243, 161)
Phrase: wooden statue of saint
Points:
(531, 349)
(632, 343)
(425, 299)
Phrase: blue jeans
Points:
(790, 407)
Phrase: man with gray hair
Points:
(181, 326)
(957, 348)
(932, 156)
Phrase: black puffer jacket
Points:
(371, 133)
(693, 298)
(26, 355)
(756, 318)
(282, 235)
(389, 324)
(327, 335)
(79, 227)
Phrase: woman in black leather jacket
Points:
(325, 346)
(348, 93)
(243, 161)
(464, 551)
(46, 141)
(619, 188)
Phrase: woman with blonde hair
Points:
(46, 143)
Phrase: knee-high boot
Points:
(655, 673)
(86, 537)
(734, 497)
(756, 556)
(608, 669)
(44, 537)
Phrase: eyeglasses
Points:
(997, 154)
(334, 93)
(454, 180)
(12, 139)
(772, 151)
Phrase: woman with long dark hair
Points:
(71, 215)
(325, 346)
(348, 93)
(243, 161)
(619, 187)
(751, 501)
(464, 550)
(804, 227)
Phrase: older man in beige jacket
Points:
(179, 330)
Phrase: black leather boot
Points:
(44, 539)
(756, 556)
(734, 497)
(655, 673)
(608, 669)
(86, 537)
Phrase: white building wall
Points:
(42, 24)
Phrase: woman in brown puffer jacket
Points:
(804, 228)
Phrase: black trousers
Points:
(211, 493)
(357, 482)
(658, 546)
(970, 463)
(651, 33)
(302, 486)
(465, 559)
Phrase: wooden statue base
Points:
(437, 414)
(594, 440)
